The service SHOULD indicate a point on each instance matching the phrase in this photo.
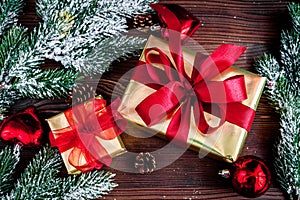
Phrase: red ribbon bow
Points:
(177, 93)
(87, 122)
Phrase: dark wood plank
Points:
(254, 24)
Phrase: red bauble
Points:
(23, 128)
(251, 177)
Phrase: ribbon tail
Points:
(119, 123)
(79, 155)
(200, 118)
(213, 109)
(240, 115)
(230, 90)
(76, 157)
(174, 29)
(179, 126)
(94, 153)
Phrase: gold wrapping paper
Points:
(114, 147)
(227, 141)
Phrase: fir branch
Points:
(40, 181)
(8, 160)
(23, 59)
(8, 45)
(109, 50)
(20, 59)
(283, 90)
(294, 10)
(90, 185)
(46, 8)
(7, 99)
(290, 58)
(82, 8)
(280, 90)
(37, 181)
(46, 83)
(69, 33)
(94, 21)
(30, 53)
(9, 11)
(286, 152)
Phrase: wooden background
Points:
(254, 24)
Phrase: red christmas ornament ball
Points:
(23, 128)
(251, 176)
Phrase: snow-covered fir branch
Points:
(99, 184)
(108, 50)
(9, 158)
(40, 180)
(70, 33)
(286, 152)
(92, 22)
(295, 14)
(9, 10)
(21, 75)
(283, 91)
(46, 83)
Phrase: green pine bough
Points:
(9, 159)
(283, 91)
(72, 32)
(9, 13)
(40, 178)
(88, 23)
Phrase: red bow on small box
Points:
(87, 122)
(178, 94)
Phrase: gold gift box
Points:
(114, 147)
(227, 141)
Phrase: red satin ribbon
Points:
(88, 121)
(177, 93)
(188, 23)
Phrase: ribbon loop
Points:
(163, 60)
(161, 103)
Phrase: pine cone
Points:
(143, 22)
(145, 163)
(81, 94)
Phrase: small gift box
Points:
(87, 135)
(201, 100)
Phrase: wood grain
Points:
(254, 24)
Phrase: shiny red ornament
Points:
(251, 177)
(23, 128)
